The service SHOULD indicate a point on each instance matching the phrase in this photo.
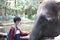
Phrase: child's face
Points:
(17, 22)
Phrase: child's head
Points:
(17, 20)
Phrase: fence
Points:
(4, 35)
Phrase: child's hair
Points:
(16, 18)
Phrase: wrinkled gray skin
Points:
(47, 23)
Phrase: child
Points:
(15, 32)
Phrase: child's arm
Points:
(23, 33)
(12, 33)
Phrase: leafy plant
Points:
(31, 17)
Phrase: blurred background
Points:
(26, 9)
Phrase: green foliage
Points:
(34, 7)
(19, 4)
(26, 4)
(22, 4)
(31, 17)
(2, 4)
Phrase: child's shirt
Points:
(11, 33)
